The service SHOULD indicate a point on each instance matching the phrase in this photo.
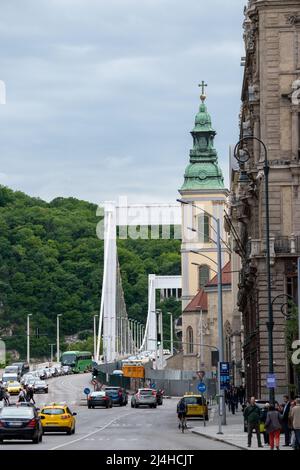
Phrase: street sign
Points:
(201, 374)
(86, 391)
(224, 371)
(271, 381)
(201, 387)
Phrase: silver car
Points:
(144, 396)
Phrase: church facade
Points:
(203, 199)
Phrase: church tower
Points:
(202, 195)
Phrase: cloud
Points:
(101, 95)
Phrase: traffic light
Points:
(158, 338)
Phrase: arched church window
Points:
(203, 228)
(203, 276)
(190, 340)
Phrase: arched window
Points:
(190, 340)
(203, 228)
(203, 275)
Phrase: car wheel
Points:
(69, 432)
(73, 432)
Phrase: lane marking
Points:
(89, 434)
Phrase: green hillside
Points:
(51, 262)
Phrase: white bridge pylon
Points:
(137, 218)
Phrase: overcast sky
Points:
(101, 94)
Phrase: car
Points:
(23, 367)
(10, 378)
(261, 404)
(144, 396)
(13, 388)
(196, 406)
(20, 422)
(66, 370)
(40, 386)
(118, 395)
(99, 398)
(57, 417)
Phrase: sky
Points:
(101, 95)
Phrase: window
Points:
(203, 276)
(190, 340)
(203, 228)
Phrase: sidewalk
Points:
(233, 431)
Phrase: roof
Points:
(198, 302)
(226, 277)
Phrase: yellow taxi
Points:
(57, 417)
(13, 388)
(196, 406)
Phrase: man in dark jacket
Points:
(252, 416)
(285, 420)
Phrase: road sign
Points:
(201, 374)
(86, 391)
(224, 371)
(271, 381)
(201, 387)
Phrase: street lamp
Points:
(222, 409)
(57, 339)
(51, 351)
(242, 158)
(95, 336)
(171, 332)
(28, 337)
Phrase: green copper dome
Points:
(203, 172)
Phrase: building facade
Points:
(270, 112)
(203, 198)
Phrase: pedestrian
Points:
(22, 396)
(286, 406)
(252, 416)
(263, 417)
(273, 426)
(295, 418)
(29, 395)
(232, 404)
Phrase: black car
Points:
(99, 399)
(118, 395)
(20, 422)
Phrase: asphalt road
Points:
(118, 428)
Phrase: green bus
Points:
(79, 361)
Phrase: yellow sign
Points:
(135, 372)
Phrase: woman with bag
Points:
(273, 427)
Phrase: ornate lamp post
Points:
(242, 155)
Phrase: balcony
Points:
(279, 245)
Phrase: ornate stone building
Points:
(271, 112)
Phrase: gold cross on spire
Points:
(203, 95)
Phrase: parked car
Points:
(23, 367)
(144, 396)
(20, 422)
(99, 399)
(40, 386)
(118, 395)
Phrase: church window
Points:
(203, 275)
(203, 228)
(190, 340)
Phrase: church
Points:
(203, 198)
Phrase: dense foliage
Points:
(51, 262)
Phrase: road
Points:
(118, 428)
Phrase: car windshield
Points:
(68, 359)
(193, 401)
(11, 412)
(13, 384)
(39, 382)
(98, 394)
(53, 411)
(146, 392)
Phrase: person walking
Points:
(286, 406)
(273, 426)
(295, 419)
(30, 394)
(22, 396)
(252, 416)
(263, 418)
